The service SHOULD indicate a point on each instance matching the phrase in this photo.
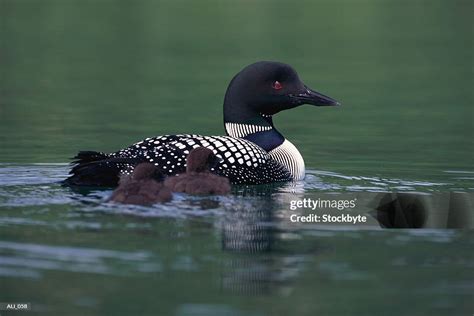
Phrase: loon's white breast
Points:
(288, 155)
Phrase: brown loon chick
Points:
(198, 179)
(143, 187)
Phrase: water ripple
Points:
(28, 260)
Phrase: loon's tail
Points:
(92, 168)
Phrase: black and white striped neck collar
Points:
(261, 132)
(262, 123)
(240, 130)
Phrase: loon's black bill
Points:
(314, 98)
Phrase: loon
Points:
(197, 179)
(252, 152)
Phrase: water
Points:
(101, 75)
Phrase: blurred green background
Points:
(101, 75)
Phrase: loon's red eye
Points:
(277, 85)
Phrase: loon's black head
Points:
(267, 88)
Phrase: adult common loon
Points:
(253, 152)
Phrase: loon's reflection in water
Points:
(248, 227)
(258, 264)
